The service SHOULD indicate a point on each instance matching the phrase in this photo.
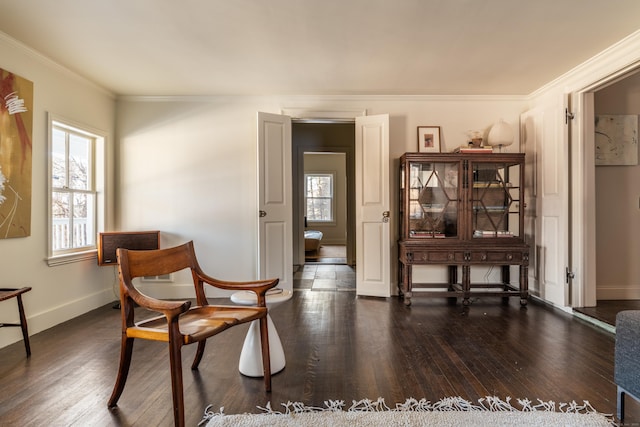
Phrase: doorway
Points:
(613, 285)
(325, 207)
(369, 228)
(324, 259)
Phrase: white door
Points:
(275, 258)
(583, 183)
(373, 234)
(530, 123)
(553, 197)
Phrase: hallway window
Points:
(76, 181)
(318, 190)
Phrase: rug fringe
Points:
(455, 403)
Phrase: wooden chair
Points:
(180, 323)
(8, 293)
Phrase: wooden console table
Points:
(415, 253)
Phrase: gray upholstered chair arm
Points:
(627, 357)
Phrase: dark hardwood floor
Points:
(338, 346)
(606, 310)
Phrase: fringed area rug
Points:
(451, 412)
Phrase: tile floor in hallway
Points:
(325, 277)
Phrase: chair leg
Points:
(23, 326)
(266, 357)
(126, 349)
(199, 353)
(620, 406)
(175, 359)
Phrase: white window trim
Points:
(99, 176)
(333, 197)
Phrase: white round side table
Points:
(251, 355)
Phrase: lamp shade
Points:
(500, 134)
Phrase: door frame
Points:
(327, 116)
(354, 115)
(298, 193)
(583, 204)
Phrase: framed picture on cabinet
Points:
(428, 139)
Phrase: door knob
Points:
(262, 213)
(385, 216)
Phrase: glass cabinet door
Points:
(495, 200)
(432, 199)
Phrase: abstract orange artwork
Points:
(16, 121)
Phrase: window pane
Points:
(79, 162)
(319, 197)
(61, 235)
(319, 186)
(90, 227)
(319, 209)
(59, 168)
(81, 220)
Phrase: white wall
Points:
(63, 292)
(188, 165)
(200, 183)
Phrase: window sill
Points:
(311, 224)
(73, 257)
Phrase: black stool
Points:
(7, 293)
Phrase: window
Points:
(76, 155)
(318, 190)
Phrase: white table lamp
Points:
(500, 135)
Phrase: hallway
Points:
(325, 277)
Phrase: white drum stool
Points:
(251, 354)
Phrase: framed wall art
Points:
(428, 139)
(616, 140)
(16, 122)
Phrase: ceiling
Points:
(319, 47)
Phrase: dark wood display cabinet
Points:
(462, 210)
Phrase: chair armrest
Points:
(260, 287)
(169, 308)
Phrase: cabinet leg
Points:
(407, 285)
(453, 279)
(407, 299)
(524, 285)
(466, 284)
(400, 279)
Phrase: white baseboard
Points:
(617, 292)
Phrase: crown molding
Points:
(613, 62)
